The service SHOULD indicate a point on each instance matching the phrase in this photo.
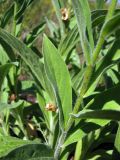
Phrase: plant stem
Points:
(60, 143)
(7, 120)
(52, 127)
(102, 37)
(111, 9)
(43, 135)
(14, 18)
(98, 48)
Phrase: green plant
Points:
(78, 105)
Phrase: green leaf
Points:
(57, 6)
(8, 52)
(82, 129)
(116, 151)
(66, 152)
(98, 21)
(9, 143)
(110, 100)
(43, 158)
(114, 75)
(82, 13)
(110, 59)
(46, 114)
(3, 56)
(98, 114)
(53, 28)
(32, 36)
(29, 152)
(21, 7)
(68, 42)
(101, 12)
(4, 69)
(59, 77)
(86, 127)
(97, 13)
(6, 17)
(77, 79)
(101, 154)
(29, 57)
(108, 28)
(10, 106)
(100, 4)
(84, 144)
(74, 137)
(87, 14)
(78, 150)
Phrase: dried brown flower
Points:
(50, 107)
(65, 14)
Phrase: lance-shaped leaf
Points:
(84, 22)
(21, 8)
(97, 13)
(4, 69)
(6, 17)
(84, 144)
(30, 152)
(108, 28)
(9, 143)
(91, 123)
(22, 149)
(29, 57)
(116, 152)
(87, 14)
(100, 4)
(10, 106)
(84, 128)
(59, 77)
(56, 4)
(32, 36)
(110, 99)
(110, 59)
(111, 25)
(68, 42)
(98, 114)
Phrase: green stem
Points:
(98, 48)
(60, 143)
(7, 120)
(4, 129)
(102, 38)
(19, 118)
(14, 19)
(111, 9)
(21, 125)
(43, 135)
(52, 127)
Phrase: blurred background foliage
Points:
(37, 11)
(35, 14)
